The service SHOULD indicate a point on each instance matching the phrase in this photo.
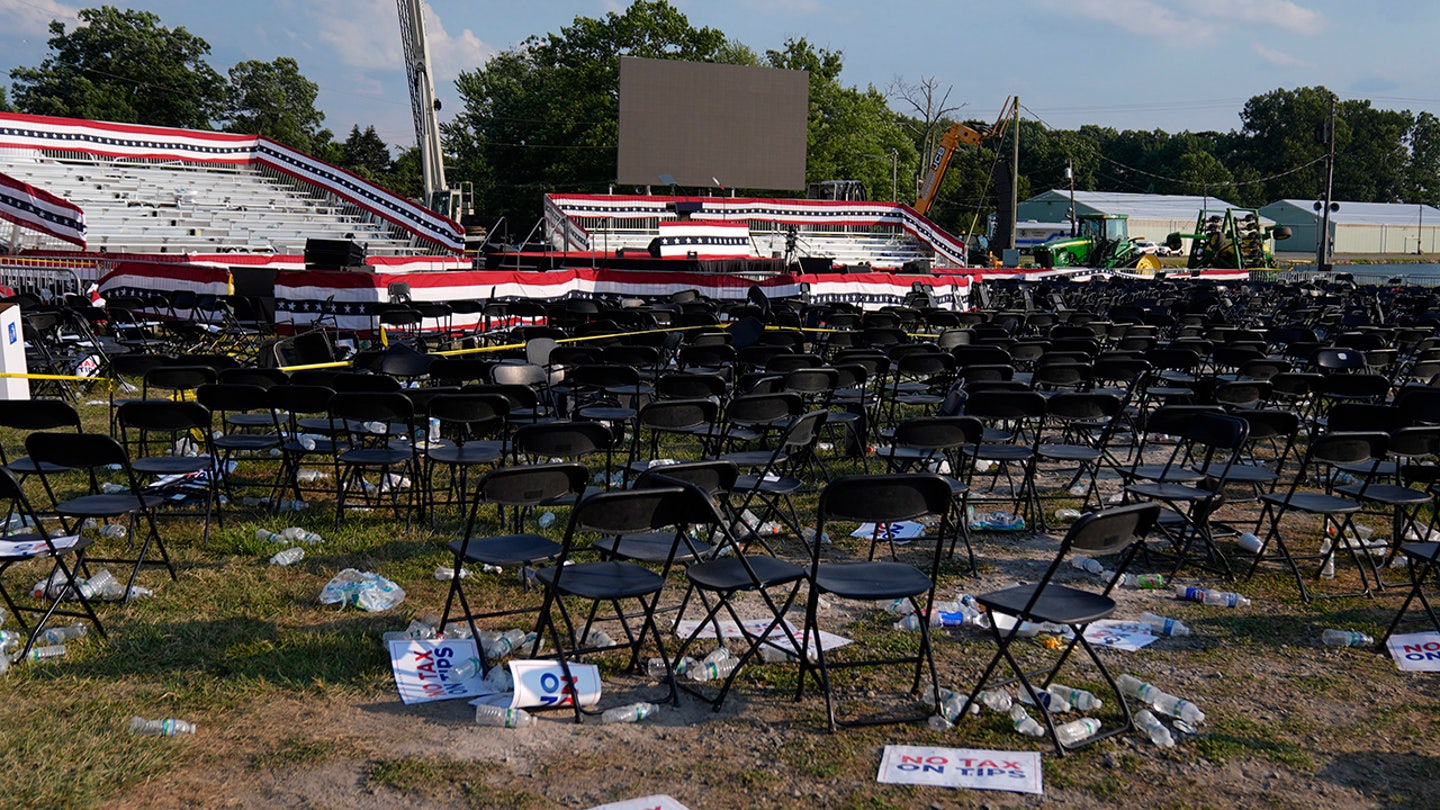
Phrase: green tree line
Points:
(543, 116)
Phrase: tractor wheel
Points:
(1147, 263)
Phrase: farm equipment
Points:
(1232, 239)
(1103, 241)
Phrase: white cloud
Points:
(32, 17)
(449, 55)
(1279, 58)
(1193, 20)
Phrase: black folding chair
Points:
(878, 499)
(1117, 531)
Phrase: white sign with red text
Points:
(977, 769)
(1415, 652)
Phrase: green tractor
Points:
(1232, 239)
(1103, 242)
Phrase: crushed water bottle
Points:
(633, 713)
(1077, 731)
(546, 520)
(1024, 723)
(300, 535)
(1211, 597)
(444, 573)
(1087, 564)
(114, 531)
(289, 556)
(309, 476)
(1346, 638)
(996, 700)
(1068, 515)
(1151, 726)
(1145, 582)
(168, 727)
(498, 679)
(503, 718)
(105, 586)
(1163, 626)
(598, 638)
(1162, 702)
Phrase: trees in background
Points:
(543, 116)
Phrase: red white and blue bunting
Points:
(39, 210)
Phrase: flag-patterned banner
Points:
(134, 141)
(37, 209)
(704, 240)
(837, 213)
(349, 300)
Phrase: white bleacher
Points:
(136, 206)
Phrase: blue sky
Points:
(1130, 64)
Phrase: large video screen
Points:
(706, 124)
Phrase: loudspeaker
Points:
(333, 254)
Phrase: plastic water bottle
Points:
(633, 713)
(267, 536)
(60, 635)
(445, 573)
(546, 520)
(168, 727)
(1081, 699)
(713, 670)
(289, 556)
(1024, 723)
(1145, 582)
(464, 670)
(300, 535)
(105, 586)
(910, 623)
(309, 476)
(1154, 729)
(1053, 702)
(114, 531)
(1211, 597)
(656, 666)
(900, 607)
(1327, 570)
(1087, 564)
(503, 718)
(1250, 544)
(951, 704)
(1163, 626)
(432, 435)
(504, 644)
(599, 638)
(1077, 731)
(48, 651)
(307, 443)
(996, 700)
(1068, 515)
(112, 488)
(1346, 638)
(1162, 702)
(498, 680)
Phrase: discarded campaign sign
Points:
(1117, 634)
(424, 669)
(1415, 652)
(974, 768)
(660, 802)
(544, 685)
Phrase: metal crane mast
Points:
(424, 106)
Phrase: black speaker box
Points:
(333, 254)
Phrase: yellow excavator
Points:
(950, 140)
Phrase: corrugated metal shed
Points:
(1152, 216)
(1357, 227)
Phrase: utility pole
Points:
(1015, 176)
(1322, 240)
(1070, 175)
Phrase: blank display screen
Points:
(703, 123)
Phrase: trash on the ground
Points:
(1346, 638)
(902, 531)
(430, 669)
(289, 556)
(778, 637)
(486, 715)
(656, 802)
(1163, 702)
(541, 684)
(1117, 634)
(1151, 727)
(167, 727)
(1162, 626)
(633, 713)
(364, 589)
(971, 768)
(1415, 652)
(998, 520)
(1209, 596)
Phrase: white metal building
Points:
(1151, 216)
(1357, 227)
